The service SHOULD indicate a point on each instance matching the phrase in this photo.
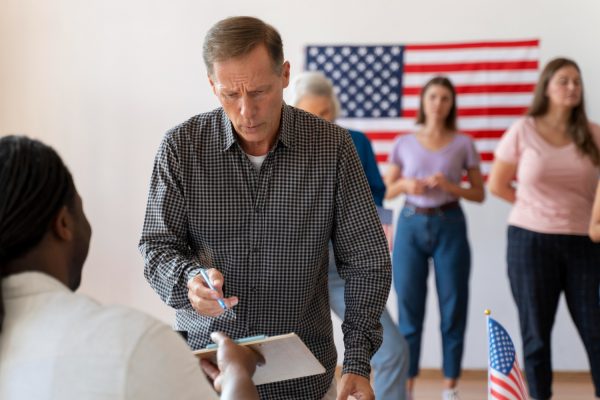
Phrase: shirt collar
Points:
(285, 135)
(227, 128)
(287, 132)
(29, 283)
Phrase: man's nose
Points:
(247, 107)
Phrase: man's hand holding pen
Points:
(206, 294)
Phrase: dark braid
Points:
(34, 185)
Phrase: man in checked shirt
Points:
(252, 192)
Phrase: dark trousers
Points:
(540, 267)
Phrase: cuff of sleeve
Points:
(191, 273)
(355, 366)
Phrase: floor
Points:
(470, 389)
(473, 386)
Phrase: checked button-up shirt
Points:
(267, 232)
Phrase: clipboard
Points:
(286, 357)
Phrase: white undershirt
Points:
(256, 160)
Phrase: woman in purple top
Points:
(427, 166)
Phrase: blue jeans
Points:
(390, 362)
(441, 237)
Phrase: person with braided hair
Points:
(55, 344)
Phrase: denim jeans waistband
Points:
(433, 210)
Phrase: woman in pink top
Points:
(594, 230)
(553, 152)
(427, 167)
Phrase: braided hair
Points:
(35, 185)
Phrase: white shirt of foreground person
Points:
(56, 344)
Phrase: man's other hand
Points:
(356, 386)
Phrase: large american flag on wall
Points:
(379, 86)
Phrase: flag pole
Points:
(487, 313)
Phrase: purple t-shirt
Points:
(417, 162)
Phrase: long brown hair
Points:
(578, 128)
(450, 121)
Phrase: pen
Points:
(210, 285)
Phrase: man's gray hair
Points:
(314, 84)
(237, 36)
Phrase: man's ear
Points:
(212, 84)
(62, 225)
(286, 74)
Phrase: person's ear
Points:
(286, 74)
(212, 84)
(62, 225)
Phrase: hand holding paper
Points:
(286, 357)
(235, 365)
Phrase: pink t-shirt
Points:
(556, 185)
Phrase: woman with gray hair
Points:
(313, 92)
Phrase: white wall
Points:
(103, 80)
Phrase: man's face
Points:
(251, 93)
(82, 233)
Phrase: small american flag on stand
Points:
(505, 381)
(378, 86)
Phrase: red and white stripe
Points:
(507, 387)
(494, 83)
